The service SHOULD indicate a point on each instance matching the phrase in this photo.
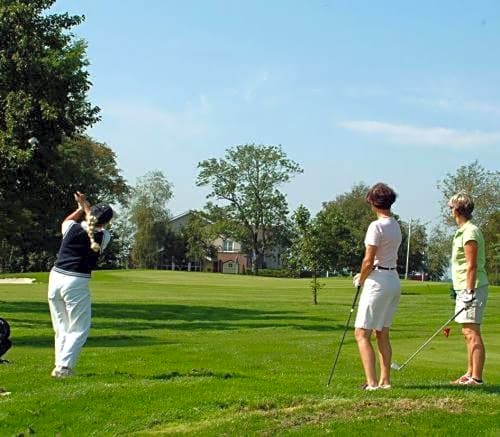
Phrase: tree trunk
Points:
(315, 289)
(255, 261)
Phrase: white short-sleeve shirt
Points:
(385, 234)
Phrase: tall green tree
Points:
(82, 164)
(86, 164)
(153, 239)
(484, 187)
(307, 249)
(123, 237)
(247, 182)
(199, 236)
(491, 231)
(43, 94)
(438, 253)
(344, 221)
(418, 247)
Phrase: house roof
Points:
(178, 216)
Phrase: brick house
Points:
(230, 256)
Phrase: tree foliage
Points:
(247, 182)
(43, 87)
(438, 253)
(418, 247)
(199, 235)
(491, 231)
(153, 239)
(123, 238)
(90, 165)
(484, 187)
(343, 223)
(83, 165)
(43, 94)
(307, 249)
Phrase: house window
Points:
(227, 245)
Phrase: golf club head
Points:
(395, 366)
(33, 141)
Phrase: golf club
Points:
(398, 367)
(33, 141)
(343, 335)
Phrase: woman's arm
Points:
(367, 264)
(83, 203)
(75, 215)
(83, 207)
(470, 249)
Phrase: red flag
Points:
(446, 331)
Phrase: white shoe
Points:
(462, 380)
(4, 392)
(61, 372)
(367, 387)
(385, 386)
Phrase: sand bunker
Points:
(17, 280)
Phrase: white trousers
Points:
(69, 303)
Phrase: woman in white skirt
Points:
(381, 288)
(69, 295)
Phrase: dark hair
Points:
(381, 196)
(102, 213)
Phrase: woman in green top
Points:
(471, 284)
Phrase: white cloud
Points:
(432, 136)
(462, 105)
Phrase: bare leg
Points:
(367, 354)
(385, 355)
(469, 355)
(475, 349)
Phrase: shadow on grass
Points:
(133, 316)
(486, 388)
(30, 323)
(194, 373)
(108, 341)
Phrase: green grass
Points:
(210, 354)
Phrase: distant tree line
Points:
(45, 155)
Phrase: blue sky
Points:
(354, 91)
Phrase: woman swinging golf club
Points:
(69, 294)
(470, 281)
(381, 288)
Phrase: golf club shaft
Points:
(430, 339)
(343, 335)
